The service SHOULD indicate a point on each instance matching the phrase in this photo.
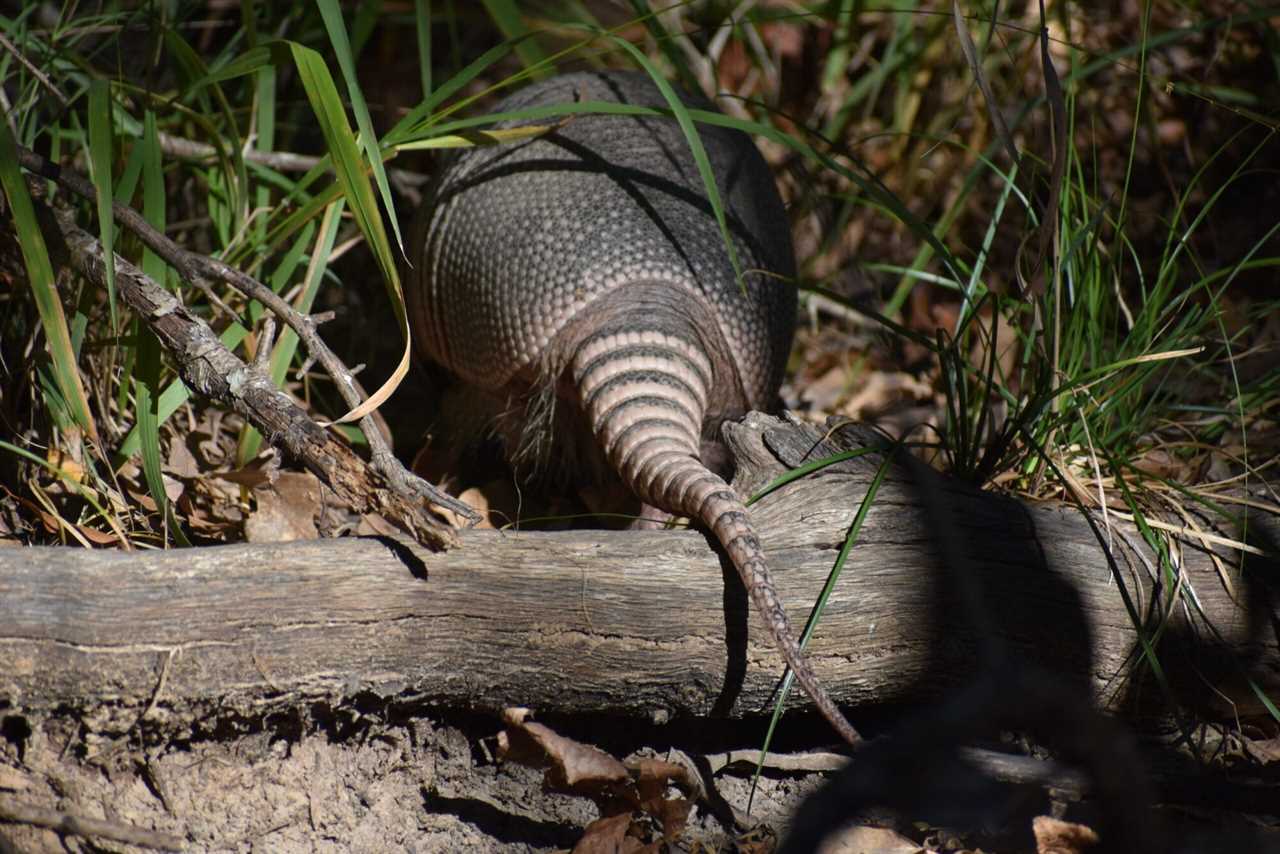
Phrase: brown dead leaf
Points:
(571, 766)
(650, 772)
(98, 538)
(885, 391)
(144, 500)
(1158, 462)
(1264, 751)
(825, 391)
(652, 778)
(609, 836)
(56, 525)
(214, 507)
(861, 839)
(286, 511)
(496, 498)
(220, 502)
(181, 462)
(213, 445)
(1054, 836)
(636, 814)
(672, 814)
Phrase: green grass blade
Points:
(815, 613)
(422, 31)
(35, 257)
(347, 163)
(665, 42)
(236, 178)
(506, 15)
(979, 75)
(246, 63)
(70, 482)
(471, 139)
(837, 61)
(345, 154)
(146, 395)
(100, 172)
(367, 15)
(971, 287)
(332, 16)
(149, 361)
(264, 105)
(153, 194)
(411, 125)
(414, 124)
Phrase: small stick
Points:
(76, 825)
(201, 271)
(210, 369)
(405, 180)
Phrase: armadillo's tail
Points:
(644, 393)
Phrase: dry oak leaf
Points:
(571, 766)
(653, 777)
(1264, 751)
(631, 798)
(288, 506)
(608, 835)
(1054, 836)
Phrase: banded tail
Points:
(645, 392)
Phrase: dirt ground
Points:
(376, 777)
(358, 783)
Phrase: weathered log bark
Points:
(638, 622)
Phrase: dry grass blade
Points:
(1058, 109)
(980, 77)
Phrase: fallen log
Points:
(641, 623)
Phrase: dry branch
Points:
(15, 811)
(634, 622)
(202, 272)
(406, 181)
(211, 370)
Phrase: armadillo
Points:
(587, 264)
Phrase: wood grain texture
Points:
(644, 623)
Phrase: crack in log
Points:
(115, 649)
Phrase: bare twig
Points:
(33, 70)
(405, 180)
(14, 811)
(208, 368)
(202, 271)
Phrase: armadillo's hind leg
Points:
(644, 392)
(650, 518)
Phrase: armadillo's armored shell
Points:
(591, 255)
(520, 239)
